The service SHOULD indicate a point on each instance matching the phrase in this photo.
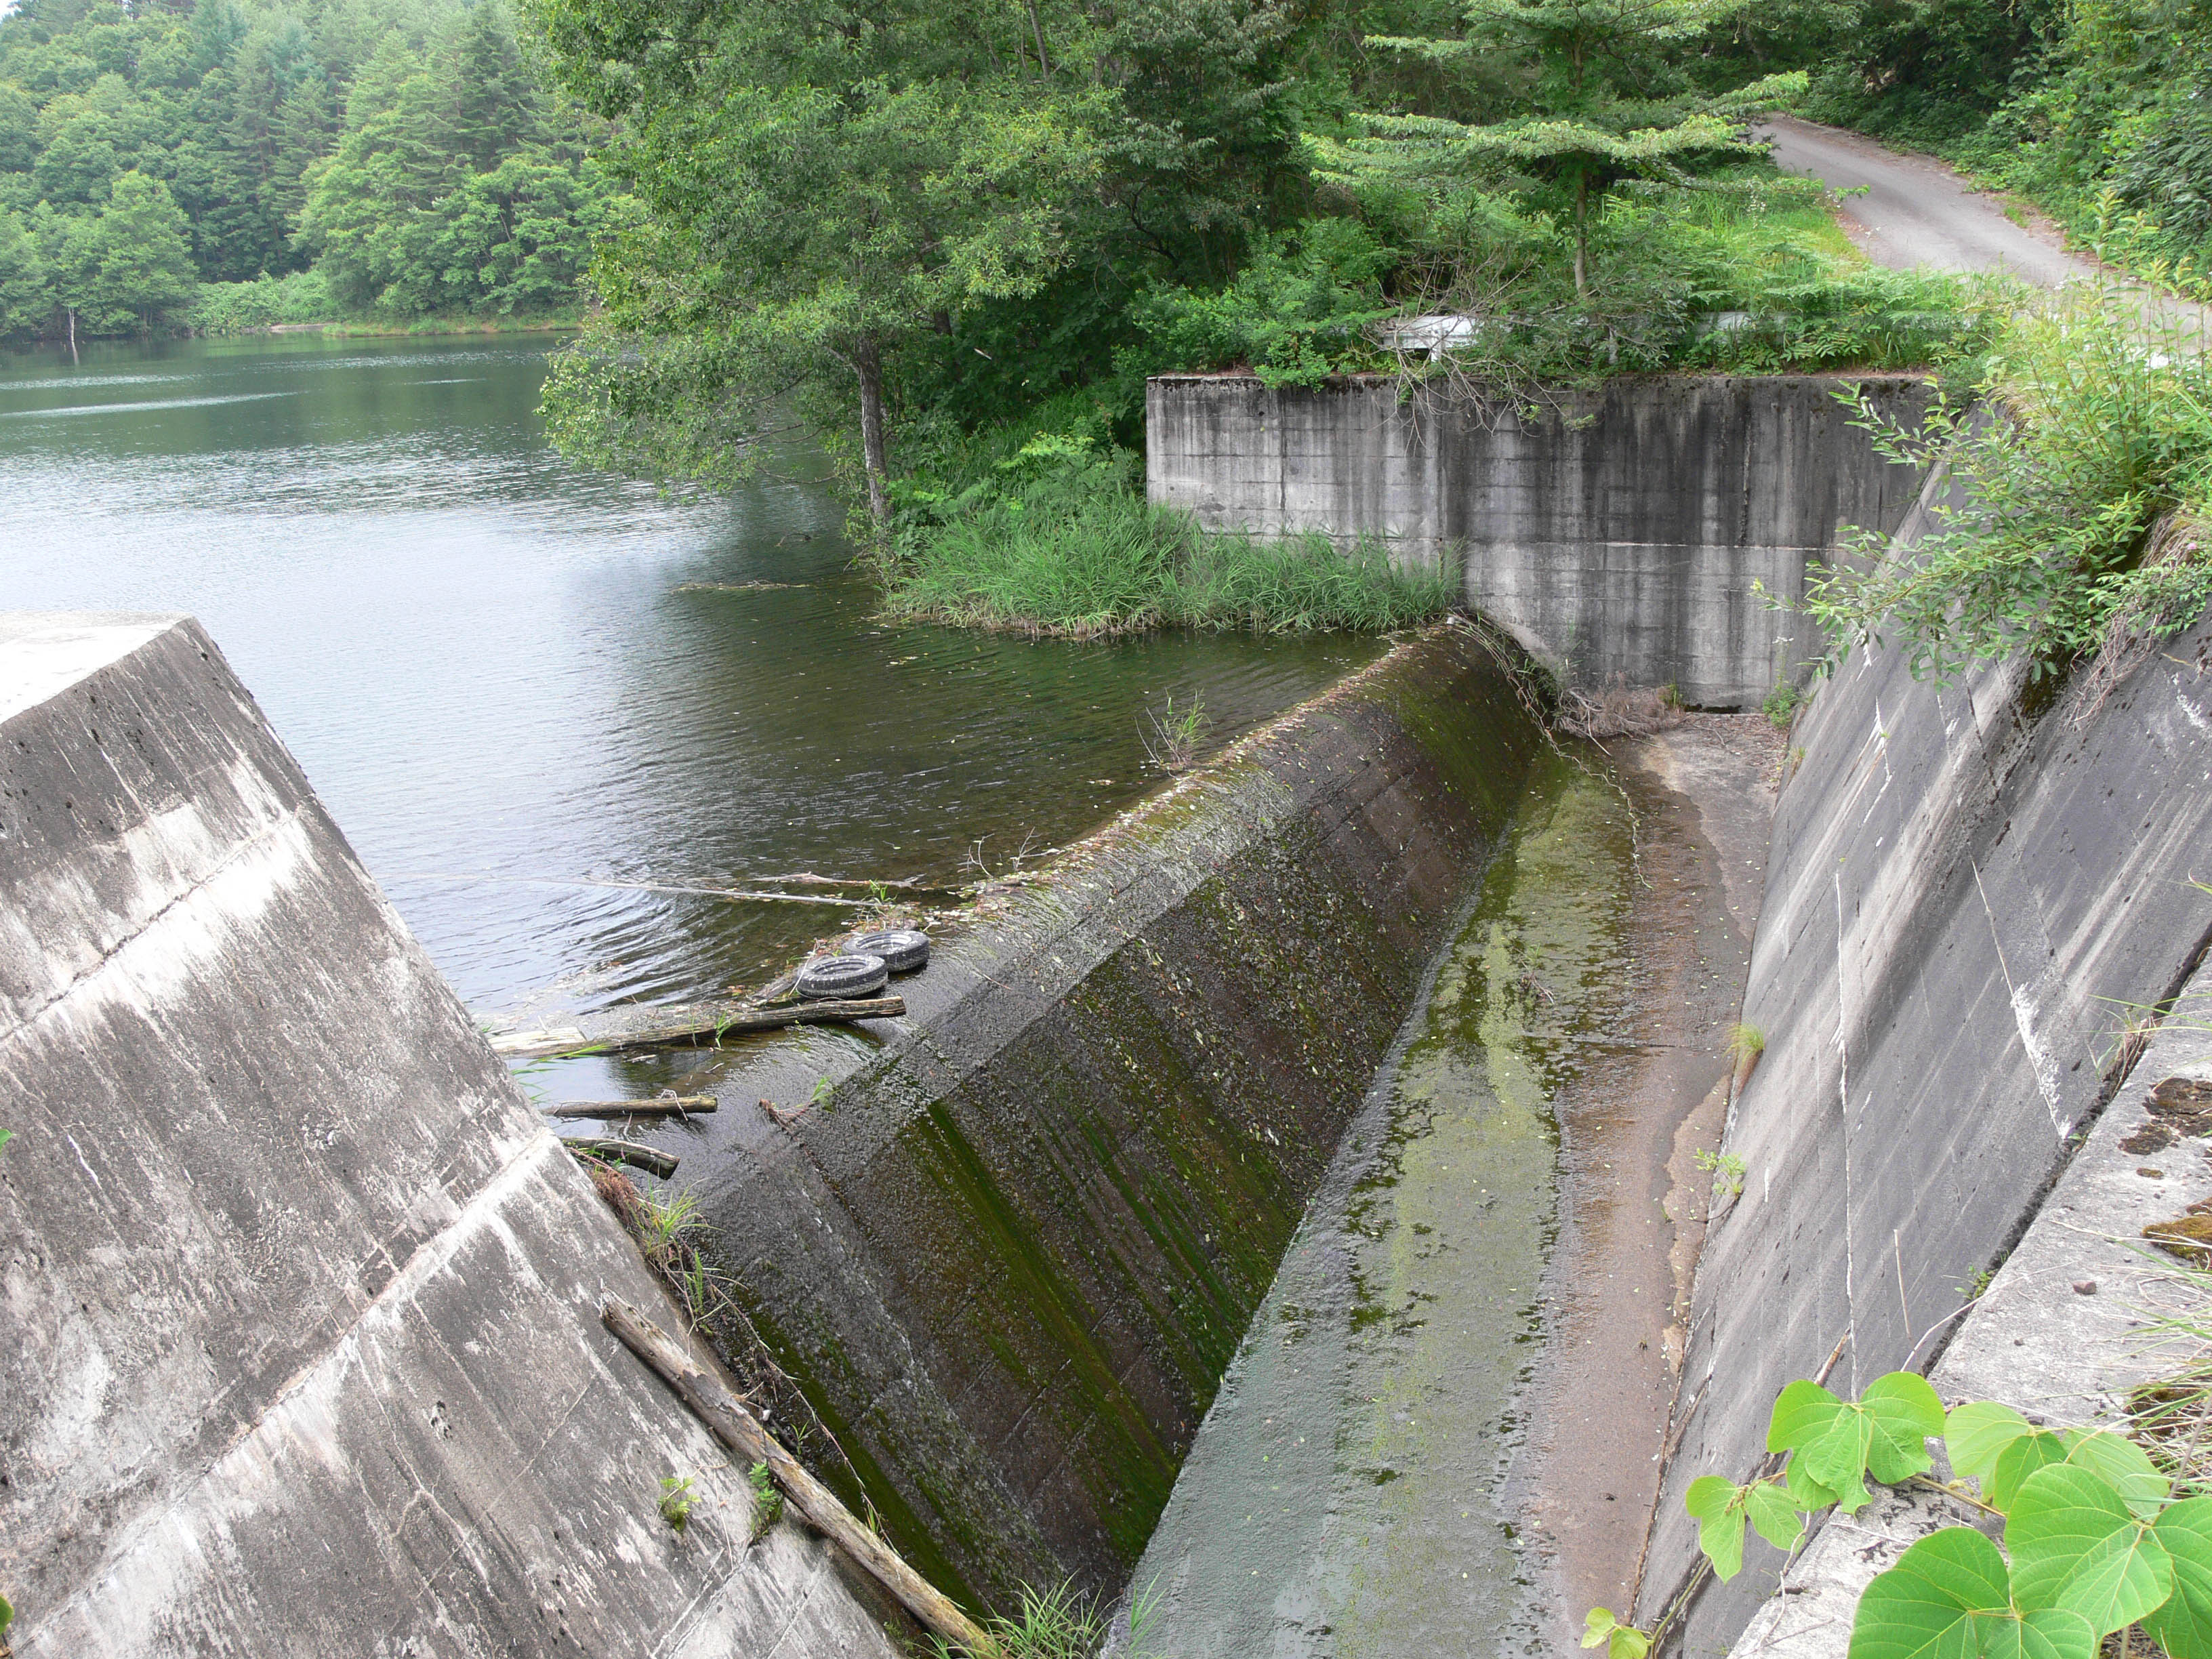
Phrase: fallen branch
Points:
(651, 1159)
(729, 1422)
(666, 1106)
(708, 1024)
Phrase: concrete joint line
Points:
(325, 1374)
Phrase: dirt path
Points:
(1632, 1200)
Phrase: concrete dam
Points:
(1148, 1222)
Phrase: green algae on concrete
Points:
(1010, 1259)
(1347, 1496)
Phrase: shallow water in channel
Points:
(554, 711)
(1349, 1493)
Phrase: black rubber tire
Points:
(903, 949)
(828, 979)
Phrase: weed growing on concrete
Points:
(6, 1135)
(768, 1503)
(1975, 1288)
(824, 1091)
(2099, 1538)
(1172, 744)
(1060, 1623)
(1727, 1171)
(676, 1500)
(2080, 464)
(1781, 706)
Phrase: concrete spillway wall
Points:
(1971, 890)
(298, 1340)
(1620, 533)
(1011, 1256)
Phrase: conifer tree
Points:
(1598, 96)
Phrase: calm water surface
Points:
(546, 706)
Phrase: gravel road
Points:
(1916, 210)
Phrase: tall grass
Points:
(1099, 562)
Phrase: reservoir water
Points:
(557, 711)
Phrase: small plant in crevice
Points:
(1727, 1171)
(1173, 742)
(1781, 706)
(768, 1503)
(1976, 1287)
(1745, 1043)
(676, 1500)
(824, 1092)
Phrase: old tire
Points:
(903, 949)
(833, 978)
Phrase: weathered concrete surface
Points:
(299, 1339)
(1010, 1257)
(1965, 897)
(1619, 534)
(2032, 1340)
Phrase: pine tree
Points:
(1601, 97)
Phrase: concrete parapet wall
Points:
(298, 1340)
(1010, 1257)
(1970, 890)
(1618, 533)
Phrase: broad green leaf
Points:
(1717, 1505)
(1621, 1641)
(1806, 1492)
(1887, 1428)
(1906, 1413)
(1774, 1515)
(2122, 1465)
(2184, 1624)
(1975, 1433)
(1949, 1595)
(2022, 1458)
(6, 1613)
(2075, 1544)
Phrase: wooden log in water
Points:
(666, 1106)
(729, 1422)
(694, 1026)
(651, 1159)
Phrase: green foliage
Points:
(1603, 95)
(1074, 551)
(676, 1500)
(1781, 705)
(1060, 1623)
(768, 1502)
(2096, 1539)
(1303, 309)
(2083, 487)
(1619, 1641)
(146, 152)
(298, 296)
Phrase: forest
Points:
(221, 165)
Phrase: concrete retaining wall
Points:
(298, 1340)
(1010, 1258)
(1618, 534)
(1966, 894)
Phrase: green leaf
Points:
(2122, 1464)
(1807, 1494)
(2184, 1624)
(1717, 1505)
(1887, 1428)
(1621, 1641)
(6, 1613)
(2075, 1544)
(1949, 1595)
(1975, 1433)
(1905, 1414)
(1774, 1515)
(2022, 1458)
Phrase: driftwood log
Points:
(651, 1159)
(666, 1106)
(729, 1422)
(708, 1024)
